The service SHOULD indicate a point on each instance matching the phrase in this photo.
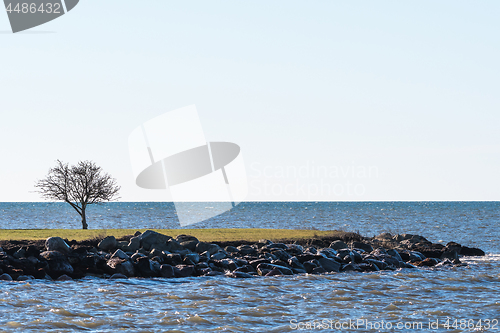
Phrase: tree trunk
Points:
(84, 220)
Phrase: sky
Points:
(328, 100)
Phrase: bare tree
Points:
(79, 185)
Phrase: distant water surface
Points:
(472, 223)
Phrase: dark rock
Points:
(173, 259)
(134, 244)
(274, 272)
(338, 245)
(167, 271)
(120, 254)
(450, 254)
(350, 268)
(57, 244)
(277, 246)
(231, 249)
(363, 246)
(470, 251)
(58, 263)
(429, 262)
(118, 276)
(282, 255)
(150, 237)
(246, 249)
(64, 277)
(190, 244)
(319, 270)
(144, 267)
(310, 265)
(239, 275)
(121, 266)
(186, 238)
(5, 277)
(305, 257)
(193, 257)
(108, 244)
(219, 255)
(210, 248)
(185, 270)
(329, 265)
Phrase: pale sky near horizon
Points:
(329, 100)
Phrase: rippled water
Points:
(270, 304)
(264, 304)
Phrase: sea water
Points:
(459, 299)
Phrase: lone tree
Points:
(79, 185)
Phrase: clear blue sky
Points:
(405, 91)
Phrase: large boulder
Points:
(338, 245)
(107, 244)
(210, 248)
(58, 263)
(150, 237)
(121, 266)
(329, 265)
(57, 244)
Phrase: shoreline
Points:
(153, 254)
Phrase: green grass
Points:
(206, 235)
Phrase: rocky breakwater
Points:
(151, 254)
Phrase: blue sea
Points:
(466, 298)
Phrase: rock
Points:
(167, 271)
(150, 237)
(121, 266)
(239, 275)
(120, 254)
(136, 256)
(173, 259)
(470, 251)
(277, 246)
(190, 245)
(210, 248)
(230, 249)
(122, 245)
(144, 267)
(57, 244)
(329, 265)
(380, 265)
(350, 268)
(395, 254)
(174, 246)
(186, 238)
(246, 249)
(108, 243)
(118, 276)
(218, 256)
(185, 270)
(429, 262)
(310, 265)
(450, 254)
(338, 245)
(284, 270)
(384, 236)
(5, 277)
(282, 255)
(58, 263)
(193, 257)
(274, 272)
(64, 277)
(319, 270)
(25, 277)
(21, 253)
(363, 246)
(134, 244)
